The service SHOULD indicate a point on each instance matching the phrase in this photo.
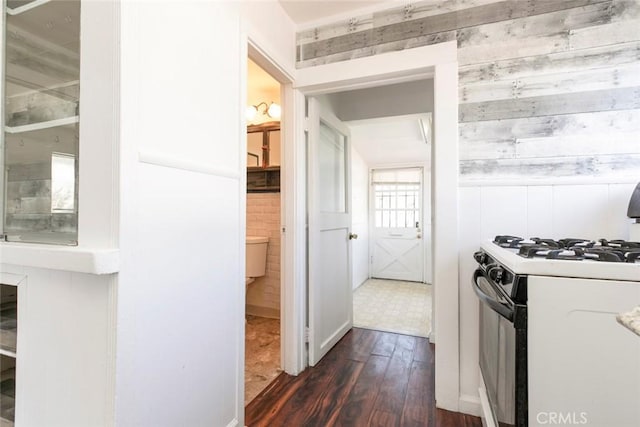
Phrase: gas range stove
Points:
(573, 258)
(542, 302)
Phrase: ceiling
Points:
(391, 140)
(305, 11)
(260, 85)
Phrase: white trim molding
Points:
(160, 159)
(377, 70)
(11, 278)
(470, 405)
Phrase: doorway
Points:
(389, 161)
(440, 63)
(397, 296)
(396, 208)
(263, 222)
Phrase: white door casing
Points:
(440, 62)
(397, 246)
(330, 293)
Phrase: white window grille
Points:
(396, 194)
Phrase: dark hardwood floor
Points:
(369, 378)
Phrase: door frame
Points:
(371, 210)
(440, 63)
(293, 262)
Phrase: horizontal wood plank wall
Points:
(548, 88)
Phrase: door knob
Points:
(419, 236)
(353, 236)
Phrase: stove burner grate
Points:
(573, 249)
(508, 241)
(633, 256)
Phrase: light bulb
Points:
(250, 112)
(274, 110)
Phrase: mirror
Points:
(263, 145)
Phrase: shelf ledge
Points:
(8, 353)
(42, 125)
(66, 258)
(27, 7)
(11, 278)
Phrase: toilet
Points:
(256, 262)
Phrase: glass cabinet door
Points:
(41, 87)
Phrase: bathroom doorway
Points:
(263, 228)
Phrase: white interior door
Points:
(330, 293)
(397, 244)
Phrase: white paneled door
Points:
(330, 293)
(397, 244)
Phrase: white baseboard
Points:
(233, 423)
(469, 404)
(256, 310)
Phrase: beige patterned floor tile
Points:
(393, 306)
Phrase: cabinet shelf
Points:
(42, 125)
(25, 7)
(8, 325)
(8, 353)
(263, 180)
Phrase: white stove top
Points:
(587, 269)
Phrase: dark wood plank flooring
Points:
(370, 378)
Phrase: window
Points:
(397, 197)
(63, 183)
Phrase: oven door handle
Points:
(505, 310)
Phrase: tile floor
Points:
(262, 355)
(393, 306)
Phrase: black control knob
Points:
(480, 257)
(496, 274)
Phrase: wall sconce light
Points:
(272, 110)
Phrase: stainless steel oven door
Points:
(497, 349)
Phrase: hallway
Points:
(370, 378)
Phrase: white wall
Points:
(359, 217)
(181, 286)
(554, 211)
(270, 27)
